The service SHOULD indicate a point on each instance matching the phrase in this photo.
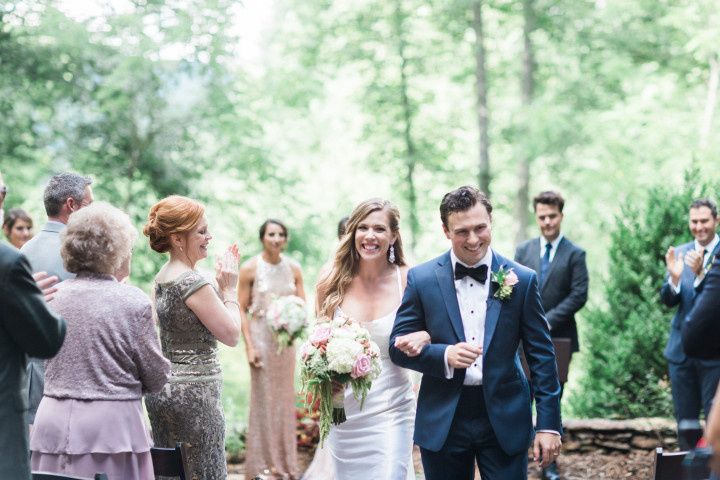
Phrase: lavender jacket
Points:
(111, 350)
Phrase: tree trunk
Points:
(710, 103)
(407, 115)
(528, 91)
(484, 177)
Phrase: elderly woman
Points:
(91, 418)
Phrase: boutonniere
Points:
(506, 280)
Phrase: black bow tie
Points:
(478, 273)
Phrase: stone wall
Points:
(613, 436)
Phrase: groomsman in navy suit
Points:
(562, 276)
(693, 380)
(474, 402)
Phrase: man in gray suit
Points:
(562, 275)
(26, 327)
(65, 193)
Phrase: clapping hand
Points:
(226, 269)
(46, 283)
(694, 260)
(412, 344)
(674, 265)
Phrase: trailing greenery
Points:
(626, 374)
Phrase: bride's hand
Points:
(412, 344)
(226, 269)
(337, 387)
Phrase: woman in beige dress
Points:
(271, 444)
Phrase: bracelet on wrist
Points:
(232, 301)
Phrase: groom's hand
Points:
(462, 355)
(546, 448)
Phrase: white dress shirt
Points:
(472, 300)
(708, 251)
(553, 246)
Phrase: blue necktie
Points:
(545, 263)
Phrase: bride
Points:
(366, 283)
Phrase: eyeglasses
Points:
(3, 192)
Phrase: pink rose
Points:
(510, 279)
(363, 366)
(320, 335)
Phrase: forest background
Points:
(299, 109)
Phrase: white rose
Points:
(341, 353)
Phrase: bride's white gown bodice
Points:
(376, 441)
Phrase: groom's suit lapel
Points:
(494, 305)
(446, 281)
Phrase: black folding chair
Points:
(668, 466)
(170, 462)
(57, 476)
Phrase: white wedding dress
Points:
(376, 441)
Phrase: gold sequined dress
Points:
(271, 443)
(188, 409)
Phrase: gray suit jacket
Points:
(43, 253)
(27, 326)
(564, 290)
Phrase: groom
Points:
(474, 401)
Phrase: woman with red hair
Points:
(192, 316)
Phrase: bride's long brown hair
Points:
(347, 259)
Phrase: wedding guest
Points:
(27, 327)
(193, 316)
(91, 417)
(17, 227)
(562, 277)
(693, 380)
(271, 445)
(65, 194)
(342, 226)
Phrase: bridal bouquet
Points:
(338, 350)
(287, 319)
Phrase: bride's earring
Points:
(391, 254)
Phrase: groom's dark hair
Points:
(462, 199)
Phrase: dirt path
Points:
(597, 466)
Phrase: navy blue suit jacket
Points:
(684, 301)
(565, 289)
(701, 330)
(430, 304)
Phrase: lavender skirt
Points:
(84, 437)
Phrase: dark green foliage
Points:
(626, 373)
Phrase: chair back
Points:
(563, 354)
(170, 462)
(668, 465)
(57, 476)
